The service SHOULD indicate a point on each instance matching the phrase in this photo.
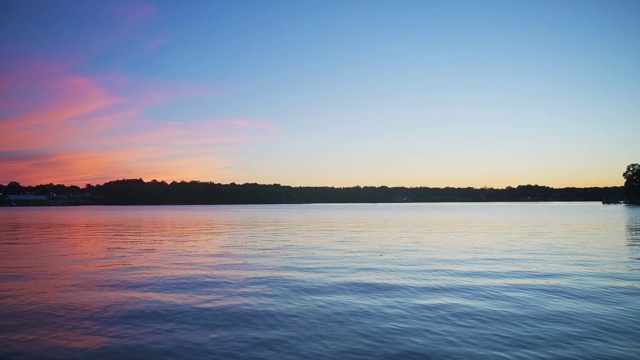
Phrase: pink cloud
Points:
(176, 135)
(47, 95)
(138, 12)
(157, 42)
(99, 166)
(74, 130)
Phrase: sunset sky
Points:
(339, 93)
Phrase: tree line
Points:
(140, 192)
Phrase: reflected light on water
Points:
(318, 281)
(633, 232)
(63, 270)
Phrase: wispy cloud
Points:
(138, 12)
(74, 129)
(74, 115)
(157, 42)
(44, 96)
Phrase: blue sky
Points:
(340, 93)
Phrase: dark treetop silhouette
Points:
(632, 182)
(139, 192)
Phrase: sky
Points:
(320, 93)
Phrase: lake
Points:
(335, 281)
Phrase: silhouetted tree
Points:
(14, 188)
(632, 182)
(139, 192)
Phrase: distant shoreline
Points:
(344, 203)
(139, 192)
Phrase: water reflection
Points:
(315, 282)
(633, 231)
(65, 273)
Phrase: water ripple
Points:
(430, 281)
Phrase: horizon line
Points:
(314, 186)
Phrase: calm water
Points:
(397, 281)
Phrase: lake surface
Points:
(374, 281)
